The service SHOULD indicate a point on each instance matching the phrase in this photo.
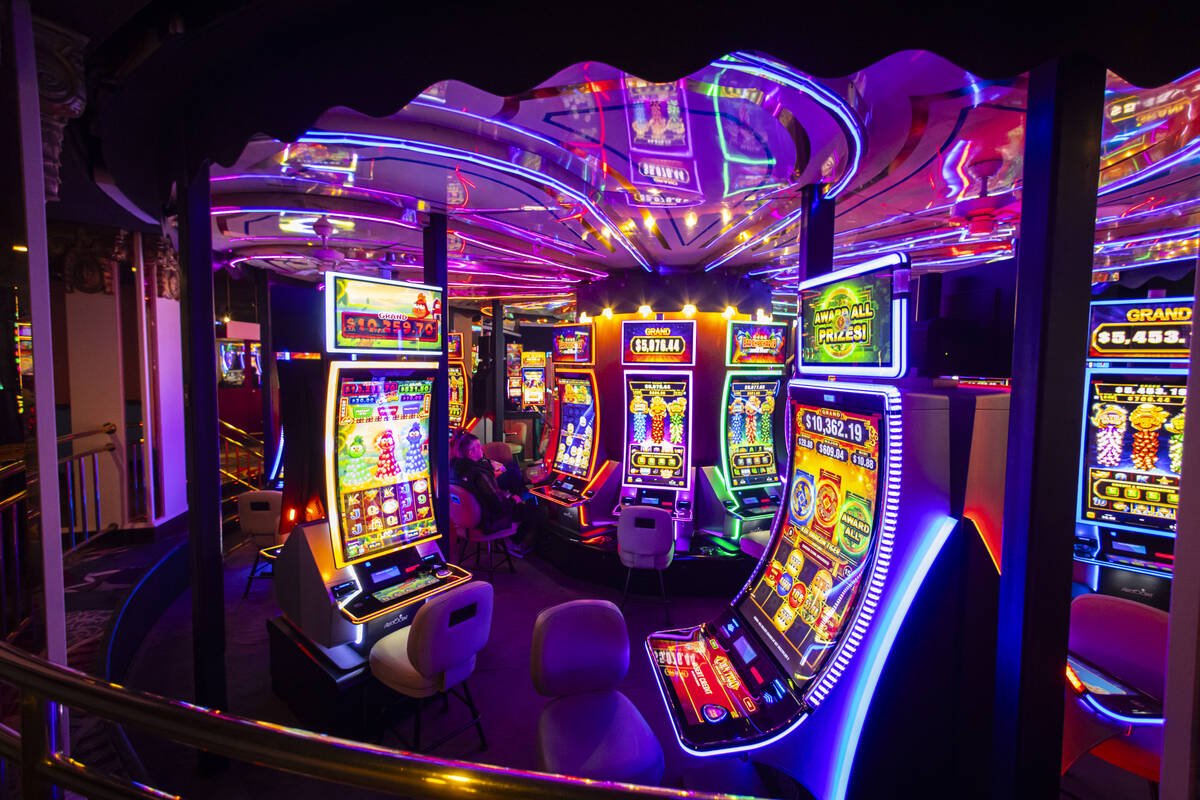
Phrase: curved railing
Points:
(326, 758)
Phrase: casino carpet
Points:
(501, 686)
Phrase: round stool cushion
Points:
(392, 667)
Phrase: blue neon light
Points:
(1123, 719)
(881, 646)
(278, 456)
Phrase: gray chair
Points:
(465, 521)
(436, 653)
(646, 540)
(258, 516)
(590, 729)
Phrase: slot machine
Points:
(345, 580)
(738, 496)
(1132, 446)
(459, 383)
(534, 373)
(658, 357)
(819, 644)
(580, 478)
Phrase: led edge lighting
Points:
(441, 151)
(1113, 715)
(274, 474)
(331, 507)
(1167, 163)
(894, 617)
(893, 456)
(331, 321)
(1162, 371)
(764, 376)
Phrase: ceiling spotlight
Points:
(690, 219)
(583, 317)
(645, 311)
(607, 313)
(689, 310)
(728, 312)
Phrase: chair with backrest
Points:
(437, 652)
(258, 516)
(1128, 640)
(590, 729)
(466, 522)
(646, 540)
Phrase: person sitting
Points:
(479, 476)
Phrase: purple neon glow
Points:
(1191, 150)
(220, 211)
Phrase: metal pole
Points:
(435, 260)
(203, 442)
(1058, 218)
(145, 380)
(266, 363)
(1181, 735)
(816, 232)
(499, 376)
(45, 452)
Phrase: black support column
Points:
(203, 460)
(499, 375)
(439, 422)
(266, 362)
(816, 232)
(1058, 219)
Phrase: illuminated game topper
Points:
(749, 444)
(381, 317)
(533, 378)
(379, 490)
(1143, 330)
(658, 429)
(573, 344)
(755, 344)
(454, 346)
(575, 453)
(667, 342)
(854, 321)
(1132, 450)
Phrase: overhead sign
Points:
(1138, 330)
(755, 344)
(671, 342)
(573, 344)
(377, 316)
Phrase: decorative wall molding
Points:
(86, 257)
(62, 92)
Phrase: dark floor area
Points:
(500, 685)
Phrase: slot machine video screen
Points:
(749, 433)
(1132, 451)
(381, 475)
(800, 597)
(576, 426)
(457, 377)
(658, 430)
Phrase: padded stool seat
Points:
(392, 667)
(598, 735)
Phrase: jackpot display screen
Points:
(658, 430)
(755, 344)
(749, 433)
(848, 322)
(572, 344)
(1132, 451)
(380, 451)
(576, 425)
(377, 316)
(800, 597)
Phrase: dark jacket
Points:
(478, 479)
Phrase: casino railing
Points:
(44, 768)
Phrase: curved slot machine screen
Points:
(749, 434)
(1132, 451)
(658, 430)
(379, 463)
(800, 597)
(576, 427)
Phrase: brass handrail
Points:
(107, 447)
(327, 758)
(253, 439)
(108, 428)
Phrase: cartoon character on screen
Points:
(737, 422)
(676, 411)
(1109, 422)
(752, 409)
(1146, 420)
(355, 472)
(1175, 446)
(639, 409)
(420, 309)
(764, 419)
(414, 456)
(658, 419)
(386, 468)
